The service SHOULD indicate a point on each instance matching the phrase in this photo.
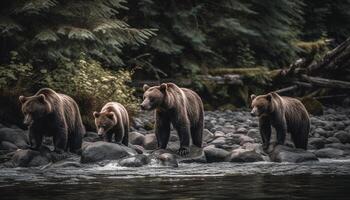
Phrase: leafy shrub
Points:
(91, 86)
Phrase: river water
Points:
(328, 179)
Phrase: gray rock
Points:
(150, 142)
(17, 137)
(91, 137)
(332, 140)
(287, 154)
(343, 136)
(329, 153)
(322, 132)
(167, 159)
(338, 146)
(245, 139)
(254, 133)
(99, 151)
(218, 141)
(134, 161)
(242, 155)
(136, 138)
(318, 143)
(242, 130)
(207, 135)
(5, 145)
(214, 154)
(228, 129)
(219, 134)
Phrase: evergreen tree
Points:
(45, 31)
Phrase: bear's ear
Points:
(145, 87)
(163, 87)
(110, 115)
(41, 97)
(252, 97)
(22, 99)
(96, 114)
(269, 97)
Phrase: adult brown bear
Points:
(113, 119)
(285, 114)
(181, 107)
(48, 113)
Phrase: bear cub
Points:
(48, 113)
(182, 108)
(285, 114)
(113, 119)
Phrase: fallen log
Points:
(323, 82)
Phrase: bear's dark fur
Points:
(180, 107)
(48, 113)
(113, 119)
(285, 114)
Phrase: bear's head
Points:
(104, 121)
(260, 104)
(153, 97)
(34, 108)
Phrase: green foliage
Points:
(14, 74)
(62, 29)
(89, 78)
(195, 34)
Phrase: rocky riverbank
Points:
(229, 136)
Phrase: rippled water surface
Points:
(328, 179)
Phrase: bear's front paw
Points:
(59, 151)
(183, 151)
(265, 147)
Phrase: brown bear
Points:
(113, 119)
(285, 114)
(182, 108)
(48, 113)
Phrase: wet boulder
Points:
(150, 142)
(136, 138)
(207, 135)
(343, 136)
(134, 161)
(243, 155)
(283, 153)
(98, 151)
(165, 157)
(317, 143)
(91, 137)
(214, 154)
(329, 153)
(17, 137)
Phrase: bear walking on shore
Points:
(48, 113)
(113, 119)
(182, 108)
(285, 114)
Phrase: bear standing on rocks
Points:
(48, 113)
(113, 119)
(285, 114)
(181, 107)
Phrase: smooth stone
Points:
(242, 130)
(99, 151)
(254, 133)
(343, 136)
(283, 153)
(214, 154)
(318, 143)
(17, 137)
(219, 141)
(338, 146)
(242, 155)
(5, 145)
(136, 138)
(134, 161)
(150, 142)
(245, 139)
(167, 159)
(329, 153)
(219, 134)
(207, 135)
(332, 140)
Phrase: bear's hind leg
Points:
(60, 140)
(197, 134)
(183, 130)
(75, 141)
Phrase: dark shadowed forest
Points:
(102, 50)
